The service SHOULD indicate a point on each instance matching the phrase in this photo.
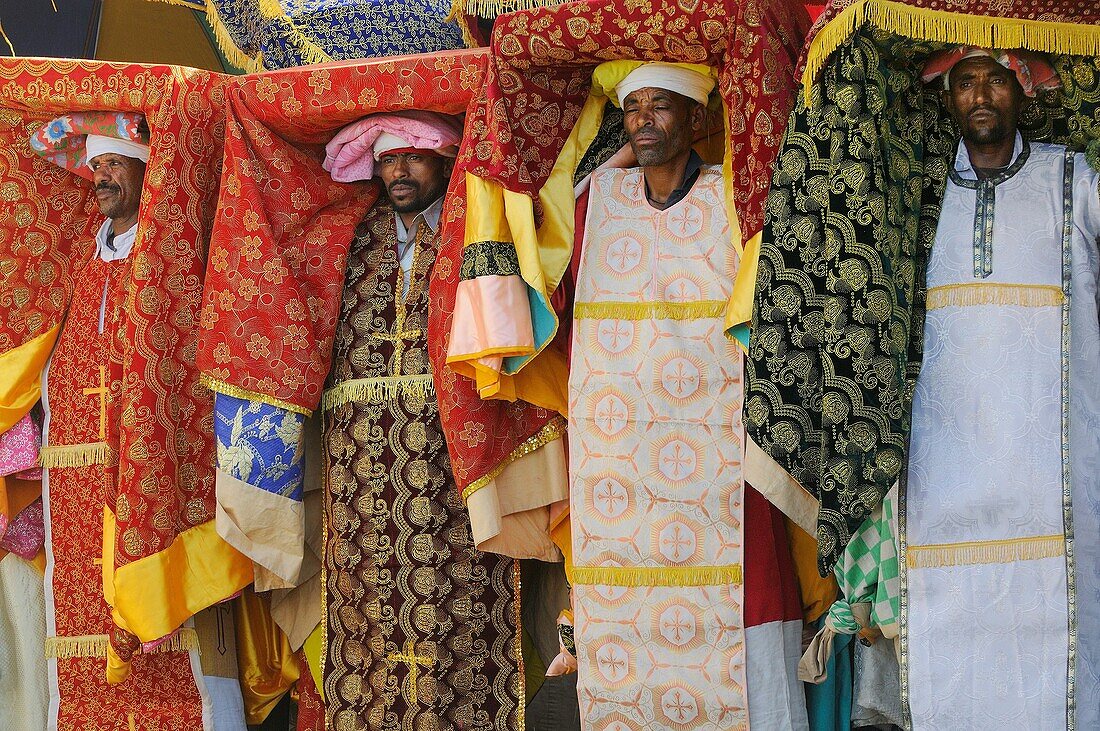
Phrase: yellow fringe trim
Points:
(650, 310)
(230, 390)
(555, 429)
(77, 455)
(489, 9)
(934, 25)
(185, 640)
(311, 52)
(228, 46)
(936, 555)
(378, 390)
(981, 293)
(657, 575)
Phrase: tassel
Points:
(985, 552)
(77, 455)
(1074, 39)
(981, 293)
(657, 575)
(650, 310)
(185, 639)
(378, 390)
(228, 46)
(311, 53)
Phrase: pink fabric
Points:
(19, 450)
(483, 319)
(1032, 71)
(26, 532)
(350, 154)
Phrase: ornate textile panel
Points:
(161, 692)
(657, 494)
(278, 34)
(849, 220)
(421, 628)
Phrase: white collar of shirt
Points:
(123, 242)
(429, 216)
(966, 170)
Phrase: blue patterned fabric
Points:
(259, 444)
(315, 31)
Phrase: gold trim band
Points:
(650, 310)
(555, 429)
(972, 553)
(641, 576)
(378, 390)
(237, 392)
(183, 640)
(77, 455)
(983, 293)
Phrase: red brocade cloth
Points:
(280, 244)
(158, 416)
(540, 72)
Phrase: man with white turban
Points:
(683, 590)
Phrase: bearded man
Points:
(1005, 441)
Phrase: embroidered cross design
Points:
(414, 661)
(102, 392)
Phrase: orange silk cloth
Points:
(164, 491)
(161, 691)
(280, 241)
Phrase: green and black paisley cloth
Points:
(837, 329)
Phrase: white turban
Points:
(670, 76)
(97, 145)
(388, 142)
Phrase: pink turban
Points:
(351, 154)
(1032, 71)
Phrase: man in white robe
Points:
(1001, 511)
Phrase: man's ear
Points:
(698, 116)
(448, 167)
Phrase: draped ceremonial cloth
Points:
(167, 562)
(278, 34)
(535, 125)
(839, 308)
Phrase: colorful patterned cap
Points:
(1032, 71)
(62, 141)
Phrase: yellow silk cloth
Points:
(268, 666)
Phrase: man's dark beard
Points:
(418, 203)
(986, 135)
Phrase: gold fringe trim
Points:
(650, 310)
(77, 455)
(378, 390)
(490, 9)
(982, 293)
(185, 640)
(554, 429)
(310, 51)
(934, 25)
(937, 555)
(230, 390)
(228, 46)
(657, 575)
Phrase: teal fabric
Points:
(829, 705)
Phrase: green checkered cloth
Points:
(868, 572)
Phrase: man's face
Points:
(661, 124)
(413, 181)
(118, 182)
(985, 100)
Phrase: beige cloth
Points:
(813, 667)
(24, 695)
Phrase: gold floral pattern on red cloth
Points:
(280, 242)
(161, 419)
